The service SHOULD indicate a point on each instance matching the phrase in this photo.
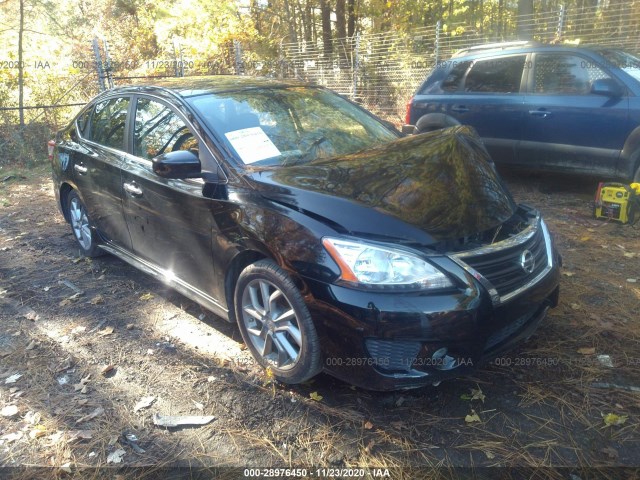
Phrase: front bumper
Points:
(390, 341)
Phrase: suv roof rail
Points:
(497, 46)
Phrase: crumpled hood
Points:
(421, 189)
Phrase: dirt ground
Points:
(83, 341)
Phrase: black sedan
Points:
(333, 242)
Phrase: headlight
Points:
(368, 265)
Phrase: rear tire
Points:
(434, 121)
(275, 323)
(81, 226)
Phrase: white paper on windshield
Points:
(252, 144)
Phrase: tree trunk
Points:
(21, 67)
(325, 12)
(525, 20)
(308, 21)
(290, 23)
(351, 18)
(341, 26)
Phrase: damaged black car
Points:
(335, 243)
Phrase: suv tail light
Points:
(51, 144)
(407, 117)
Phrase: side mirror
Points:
(177, 164)
(606, 87)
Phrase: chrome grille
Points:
(501, 265)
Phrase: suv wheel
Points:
(275, 323)
(434, 121)
(81, 226)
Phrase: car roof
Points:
(507, 48)
(201, 85)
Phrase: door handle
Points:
(132, 189)
(80, 168)
(459, 109)
(540, 113)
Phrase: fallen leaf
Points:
(477, 394)
(611, 419)
(575, 306)
(33, 418)
(610, 452)
(146, 296)
(567, 273)
(66, 467)
(98, 411)
(130, 326)
(473, 417)
(97, 300)
(73, 435)
(198, 405)
(587, 351)
(315, 396)
(368, 425)
(489, 455)
(116, 457)
(370, 446)
(143, 403)
(630, 254)
(13, 378)
(11, 437)
(9, 411)
(31, 345)
(105, 331)
(72, 299)
(107, 369)
(38, 431)
(632, 280)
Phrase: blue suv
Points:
(542, 107)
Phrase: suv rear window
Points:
(496, 75)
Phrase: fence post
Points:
(356, 67)
(99, 69)
(108, 67)
(561, 14)
(281, 59)
(438, 28)
(237, 48)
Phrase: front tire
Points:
(81, 226)
(275, 323)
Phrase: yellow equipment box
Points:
(619, 202)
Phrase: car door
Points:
(96, 164)
(170, 220)
(566, 126)
(491, 102)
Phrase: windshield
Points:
(288, 126)
(623, 60)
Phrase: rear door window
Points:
(496, 75)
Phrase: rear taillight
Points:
(51, 145)
(407, 117)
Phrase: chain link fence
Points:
(382, 71)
